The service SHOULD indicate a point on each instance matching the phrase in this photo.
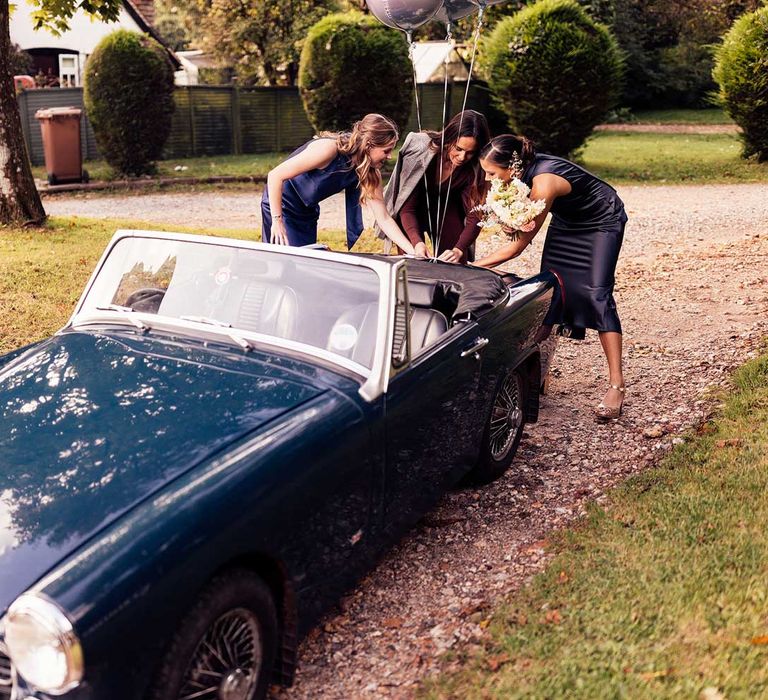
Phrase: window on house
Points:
(69, 70)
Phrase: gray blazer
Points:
(412, 162)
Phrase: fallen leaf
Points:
(730, 442)
(759, 641)
(652, 675)
(553, 617)
(497, 661)
(563, 577)
(393, 622)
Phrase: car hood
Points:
(91, 424)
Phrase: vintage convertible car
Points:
(222, 437)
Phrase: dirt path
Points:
(693, 296)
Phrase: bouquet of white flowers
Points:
(508, 208)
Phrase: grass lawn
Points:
(662, 594)
(619, 157)
(207, 166)
(648, 158)
(43, 271)
(715, 115)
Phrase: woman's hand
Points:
(454, 255)
(420, 250)
(279, 234)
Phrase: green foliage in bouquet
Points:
(351, 65)
(129, 99)
(741, 71)
(554, 71)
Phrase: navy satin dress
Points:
(302, 196)
(582, 246)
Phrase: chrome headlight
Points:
(43, 645)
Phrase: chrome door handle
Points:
(480, 343)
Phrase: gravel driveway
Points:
(693, 296)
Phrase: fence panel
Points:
(215, 120)
(32, 100)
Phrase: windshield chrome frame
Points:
(374, 380)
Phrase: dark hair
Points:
(503, 149)
(466, 124)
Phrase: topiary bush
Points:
(351, 65)
(741, 71)
(129, 99)
(554, 71)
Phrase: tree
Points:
(343, 52)
(667, 45)
(554, 71)
(740, 71)
(262, 38)
(129, 98)
(19, 200)
(21, 61)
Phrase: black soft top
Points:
(475, 289)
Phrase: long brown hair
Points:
(372, 131)
(507, 149)
(470, 124)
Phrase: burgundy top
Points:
(460, 228)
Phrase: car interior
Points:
(258, 299)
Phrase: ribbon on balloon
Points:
(407, 15)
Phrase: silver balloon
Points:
(406, 15)
(455, 9)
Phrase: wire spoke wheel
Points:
(506, 416)
(227, 661)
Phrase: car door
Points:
(434, 420)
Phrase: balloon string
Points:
(478, 30)
(438, 224)
(411, 53)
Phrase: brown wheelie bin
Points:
(60, 127)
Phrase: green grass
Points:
(208, 166)
(43, 270)
(714, 115)
(632, 158)
(618, 157)
(662, 593)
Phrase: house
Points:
(63, 57)
(429, 59)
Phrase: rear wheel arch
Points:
(530, 368)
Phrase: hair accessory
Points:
(515, 165)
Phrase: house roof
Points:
(133, 9)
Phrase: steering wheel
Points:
(145, 299)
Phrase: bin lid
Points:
(54, 112)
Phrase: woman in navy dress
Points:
(582, 245)
(349, 162)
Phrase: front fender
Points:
(128, 588)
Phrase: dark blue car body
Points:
(135, 466)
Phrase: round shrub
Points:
(741, 71)
(129, 99)
(351, 65)
(554, 71)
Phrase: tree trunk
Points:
(19, 200)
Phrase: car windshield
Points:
(324, 304)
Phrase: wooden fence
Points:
(215, 120)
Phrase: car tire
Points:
(235, 615)
(503, 430)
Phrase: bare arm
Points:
(387, 224)
(545, 186)
(316, 155)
